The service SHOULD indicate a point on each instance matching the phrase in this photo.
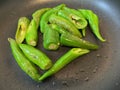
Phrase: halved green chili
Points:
(50, 38)
(45, 17)
(79, 22)
(28, 67)
(64, 24)
(32, 33)
(36, 56)
(68, 39)
(93, 21)
(63, 61)
(77, 16)
(23, 24)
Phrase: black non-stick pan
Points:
(98, 70)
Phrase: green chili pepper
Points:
(58, 28)
(62, 30)
(83, 21)
(64, 24)
(50, 38)
(64, 60)
(45, 17)
(38, 14)
(79, 22)
(77, 16)
(32, 34)
(28, 67)
(68, 39)
(93, 21)
(74, 41)
(23, 24)
(36, 56)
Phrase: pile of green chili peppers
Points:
(60, 26)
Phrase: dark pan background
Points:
(98, 70)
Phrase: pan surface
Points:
(98, 70)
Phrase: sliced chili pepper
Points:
(23, 24)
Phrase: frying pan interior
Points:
(98, 70)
